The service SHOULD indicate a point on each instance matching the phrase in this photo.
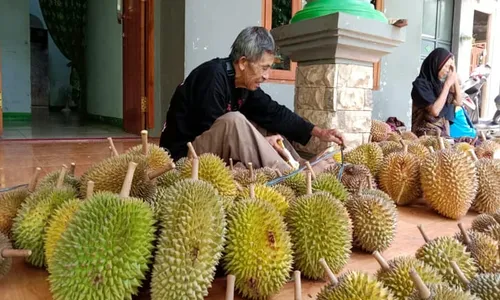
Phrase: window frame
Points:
(279, 76)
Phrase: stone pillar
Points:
(334, 78)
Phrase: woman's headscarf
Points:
(427, 87)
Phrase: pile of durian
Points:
(138, 221)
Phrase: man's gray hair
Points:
(252, 42)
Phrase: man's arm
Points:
(261, 109)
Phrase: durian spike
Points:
(298, 285)
(230, 287)
(422, 232)
(308, 183)
(252, 191)
(309, 167)
(90, 189)
(7, 253)
(473, 154)
(464, 234)
(127, 182)
(381, 261)
(328, 271)
(250, 167)
(192, 152)
(112, 145)
(441, 143)
(231, 164)
(160, 171)
(144, 139)
(431, 149)
(422, 289)
(460, 274)
(195, 168)
(483, 136)
(60, 180)
(34, 180)
(72, 169)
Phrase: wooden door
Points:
(1, 99)
(138, 65)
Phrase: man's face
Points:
(255, 73)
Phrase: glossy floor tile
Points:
(18, 161)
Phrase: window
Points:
(437, 26)
(379, 5)
(276, 13)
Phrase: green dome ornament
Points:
(319, 8)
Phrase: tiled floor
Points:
(18, 161)
(55, 125)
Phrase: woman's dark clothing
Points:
(426, 90)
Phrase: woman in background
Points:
(435, 94)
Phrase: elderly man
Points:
(221, 109)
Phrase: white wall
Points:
(15, 55)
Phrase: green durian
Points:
(267, 194)
(258, 250)
(10, 202)
(191, 240)
(486, 286)
(50, 180)
(483, 249)
(329, 183)
(286, 192)
(320, 227)
(369, 154)
(440, 252)
(296, 182)
(437, 291)
(395, 274)
(157, 157)
(168, 178)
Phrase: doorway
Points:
(480, 51)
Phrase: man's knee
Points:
(233, 117)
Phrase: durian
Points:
(487, 149)
(449, 182)
(212, 170)
(191, 240)
(395, 274)
(369, 154)
(320, 227)
(7, 252)
(400, 177)
(389, 147)
(286, 192)
(157, 157)
(258, 251)
(482, 248)
(394, 137)
(50, 180)
(440, 252)
(482, 222)
(169, 178)
(105, 249)
(488, 193)
(353, 285)
(434, 142)
(464, 147)
(374, 221)
(408, 136)
(267, 194)
(484, 286)
(32, 219)
(437, 291)
(11, 201)
(296, 182)
(326, 182)
(353, 177)
(379, 130)
(245, 177)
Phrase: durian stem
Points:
(60, 180)
(400, 194)
(369, 182)
(360, 190)
(370, 137)
(192, 152)
(90, 189)
(7, 253)
(127, 182)
(308, 183)
(34, 180)
(464, 234)
(252, 191)
(399, 131)
(309, 167)
(250, 167)
(279, 173)
(422, 232)
(473, 154)
(423, 290)
(231, 164)
(431, 149)
(111, 153)
(298, 285)
(72, 169)
(483, 136)
(441, 143)
(381, 261)
(195, 168)
(144, 139)
(275, 165)
(160, 171)
(238, 186)
(402, 142)
(230, 287)
(328, 271)
(112, 145)
(405, 148)
(460, 274)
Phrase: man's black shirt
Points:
(208, 93)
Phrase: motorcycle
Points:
(471, 91)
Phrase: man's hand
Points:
(328, 135)
(273, 140)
